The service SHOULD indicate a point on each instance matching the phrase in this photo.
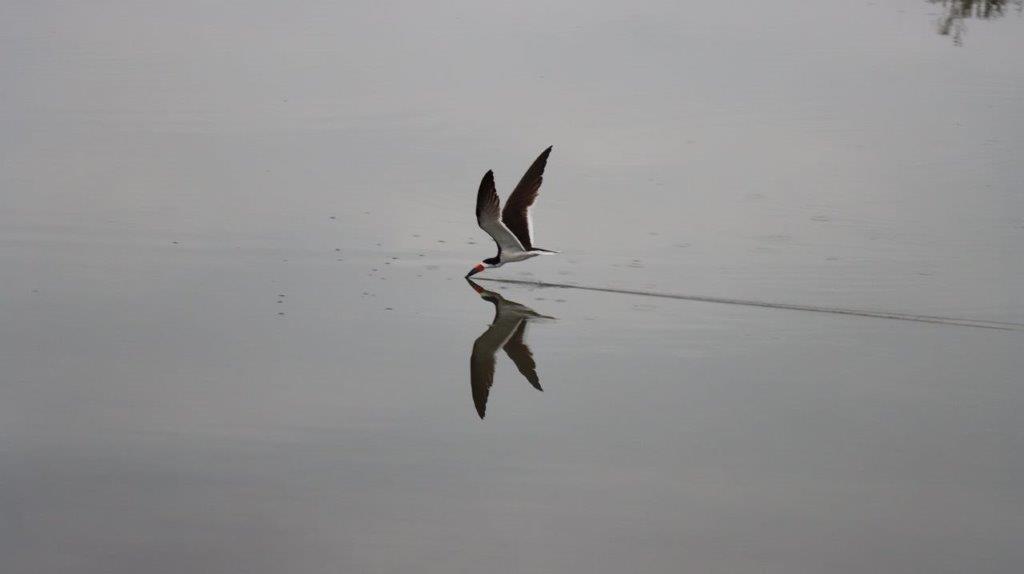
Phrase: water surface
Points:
(235, 335)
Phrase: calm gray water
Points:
(234, 333)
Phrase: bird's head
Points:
(485, 264)
(476, 269)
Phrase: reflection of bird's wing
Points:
(481, 362)
(516, 214)
(513, 308)
(488, 216)
(522, 356)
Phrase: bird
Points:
(512, 227)
(506, 331)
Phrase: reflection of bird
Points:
(506, 332)
(511, 228)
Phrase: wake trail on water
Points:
(955, 321)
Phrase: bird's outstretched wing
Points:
(481, 361)
(521, 355)
(516, 214)
(488, 216)
(481, 377)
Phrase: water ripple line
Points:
(934, 319)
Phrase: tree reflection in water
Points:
(951, 23)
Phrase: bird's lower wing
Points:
(506, 240)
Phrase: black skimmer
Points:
(505, 332)
(511, 228)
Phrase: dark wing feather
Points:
(516, 212)
(487, 202)
(481, 375)
(488, 216)
(522, 356)
(481, 360)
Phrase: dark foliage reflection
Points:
(955, 12)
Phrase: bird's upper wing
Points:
(521, 355)
(488, 215)
(516, 214)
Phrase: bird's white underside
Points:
(502, 235)
(521, 255)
